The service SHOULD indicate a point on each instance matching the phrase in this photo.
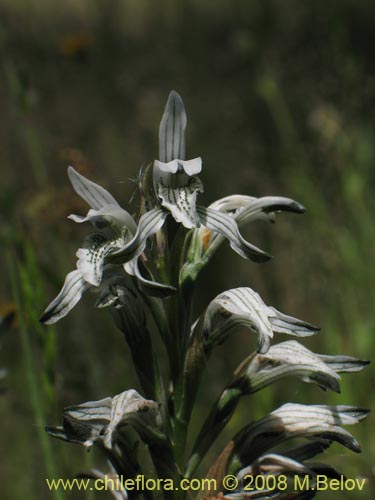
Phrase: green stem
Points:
(160, 317)
(162, 398)
(218, 418)
(139, 342)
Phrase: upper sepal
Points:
(172, 129)
(94, 195)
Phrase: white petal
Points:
(247, 208)
(109, 215)
(128, 403)
(239, 306)
(170, 167)
(172, 130)
(298, 420)
(192, 167)
(93, 194)
(232, 203)
(243, 306)
(281, 323)
(289, 359)
(152, 288)
(225, 225)
(266, 207)
(148, 224)
(68, 297)
(92, 410)
(344, 364)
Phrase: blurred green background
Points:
(279, 96)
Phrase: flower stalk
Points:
(144, 270)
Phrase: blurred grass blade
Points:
(32, 377)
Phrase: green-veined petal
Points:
(109, 216)
(150, 222)
(172, 130)
(288, 359)
(93, 194)
(244, 307)
(226, 225)
(297, 420)
(152, 288)
(70, 294)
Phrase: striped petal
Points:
(181, 201)
(70, 294)
(84, 423)
(241, 209)
(281, 323)
(233, 308)
(152, 288)
(344, 364)
(100, 420)
(172, 130)
(226, 226)
(93, 194)
(267, 207)
(150, 223)
(110, 216)
(126, 404)
(288, 359)
(297, 420)
(248, 208)
(244, 307)
(92, 411)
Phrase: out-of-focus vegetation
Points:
(278, 95)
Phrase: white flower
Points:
(234, 211)
(291, 358)
(174, 181)
(298, 420)
(244, 307)
(177, 187)
(117, 234)
(101, 420)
